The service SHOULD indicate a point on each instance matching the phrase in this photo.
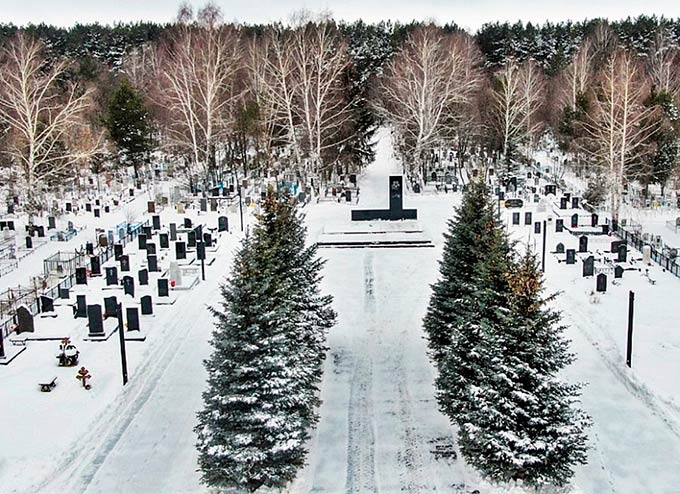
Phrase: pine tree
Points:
(269, 344)
(129, 126)
(521, 421)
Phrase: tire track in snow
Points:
(361, 475)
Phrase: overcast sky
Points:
(468, 13)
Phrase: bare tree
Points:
(44, 115)
(619, 124)
(196, 71)
(424, 88)
(662, 64)
(516, 101)
(577, 75)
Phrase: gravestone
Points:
(117, 251)
(111, 306)
(618, 272)
(594, 220)
(173, 232)
(103, 241)
(204, 205)
(207, 239)
(148, 232)
(550, 189)
(222, 224)
(563, 203)
(537, 227)
(175, 273)
(107, 209)
(64, 293)
(151, 207)
(69, 207)
(559, 248)
(163, 290)
(81, 276)
(46, 304)
(191, 239)
(568, 196)
(97, 213)
(81, 306)
(574, 220)
(180, 208)
(605, 229)
(132, 317)
(396, 210)
(124, 264)
(515, 218)
(141, 241)
(51, 222)
(150, 249)
(129, 285)
(97, 202)
(156, 222)
(187, 223)
(559, 225)
(200, 251)
(164, 240)
(527, 218)
(109, 235)
(95, 266)
(29, 243)
(601, 283)
(152, 261)
(571, 256)
(180, 250)
(147, 305)
(89, 249)
(131, 192)
(615, 245)
(574, 203)
(589, 266)
(583, 244)
(95, 321)
(143, 276)
(646, 255)
(213, 205)
(622, 254)
(111, 275)
(88, 207)
(25, 322)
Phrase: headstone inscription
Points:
(129, 285)
(111, 275)
(124, 264)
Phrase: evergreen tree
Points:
(521, 422)
(129, 125)
(269, 344)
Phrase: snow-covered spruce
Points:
(269, 344)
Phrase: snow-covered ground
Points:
(380, 429)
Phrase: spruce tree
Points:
(521, 422)
(269, 344)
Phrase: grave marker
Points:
(25, 322)
(601, 283)
(117, 251)
(156, 222)
(173, 232)
(574, 220)
(559, 249)
(527, 218)
(559, 225)
(152, 261)
(81, 276)
(143, 276)
(164, 240)
(618, 271)
(132, 317)
(124, 264)
(46, 304)
(571, 256)
(141, 241)
(222, 224)
(180, 250)
(147, 305)
(129, 285)
(94, 317)
(583, 244)
(589, 266)
(111, 275)
(163, 290)
(622, 253)
(95, 266)
(111, 306)
(81, 307)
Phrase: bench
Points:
(47, 387)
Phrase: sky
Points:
(470, 14)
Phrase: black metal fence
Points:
(104, 254)
(635, 239)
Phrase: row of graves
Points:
(120, 291)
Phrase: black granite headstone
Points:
(207, 239)
(594, 219)
(589, 266)
(615, 246)
(515, 218)
(563, 203)
(164, 240)
(148, 232)
(622, 253)
(124, 264)
(143, 276)
(152, 261)
(618, 271)
(132, 317)
(173, 232)
(559, 248)
(117, 251)
(94, 318)
(81, 306)
(222, 224)
(150, 249)
(46, 304)
(583, 244)
(129, 285)
(204, 205)
(89, 248)
(95, 266)
(200, 251)
(111, 276)
(141, 241)
(110, 306)
(574, 220)
(571, 256)
(191, 239)
(64, 293)
(51, 222)
(156, 222)
(163, 290)
(81, 276)
(69, 207)
(601, 282)
(187, 223)
(537, 227)
(147, 305)
(151, 207)
(213, 205)
(29, 242)
(180, 250)
(24, 320)
(559, 225)
(88, 207)
(574, 203)
(527, 218)
(97, 213)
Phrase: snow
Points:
(380, 429)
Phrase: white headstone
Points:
(175, 273)
(180, 208)
(6, 233)
(541, 208)
(646, 255)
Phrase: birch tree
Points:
(619, 124)
(424, 87)
(44, 116)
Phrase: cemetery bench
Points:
(47, 387)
